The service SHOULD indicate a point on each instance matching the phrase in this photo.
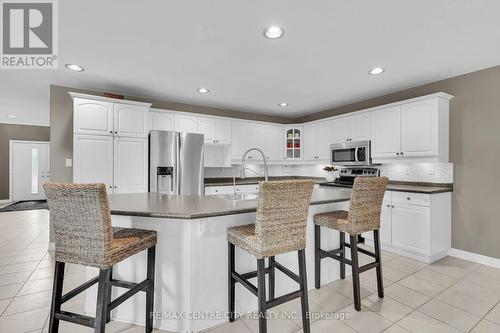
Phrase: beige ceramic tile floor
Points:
(450, 295)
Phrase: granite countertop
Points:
(195, 207)
(397, 186)
(253, 180)
(412, 187)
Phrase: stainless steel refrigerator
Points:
(176, 163)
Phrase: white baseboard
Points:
(474, 257)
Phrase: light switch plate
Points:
(69, 162)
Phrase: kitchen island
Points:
(191, 256)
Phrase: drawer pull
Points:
(407, 198)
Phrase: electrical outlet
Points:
(69, 162)
(407, 171)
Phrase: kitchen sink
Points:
(237, 196)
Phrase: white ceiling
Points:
(168, 49)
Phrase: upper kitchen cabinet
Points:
(415, 130)
(420, 128)
(317, 140)
(267, 138)
(131, 120)
(215, 130)
(92, 117)
(351, 128)
(161, 121)
(294, 142)
(185, 123)
(386, 133)
(98, 115)
(240, 138)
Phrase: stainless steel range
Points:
(347, 176)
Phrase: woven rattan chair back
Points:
(366, 203)
(281, 219)
(81, 219)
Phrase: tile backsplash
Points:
(423, 172)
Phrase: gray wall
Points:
(474, 151)
(15, 132)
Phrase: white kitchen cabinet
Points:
(186, 123)
(240, 138)
(341, 129)
(294, 142)
(93, 159)
(273, 148)
(130, 165)
(386, 133)
(420, 128)
(317, 140)
(416, 225)
(130, 120)
(215, 130)
(411, 228)
(416, 131)
(258, 139)
(92, 117)
(161, 121)
(360, 127)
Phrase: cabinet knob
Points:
(388, 206)
(408, 198)
(116, 132)
(397, 154)
(402, 153)
(110, 186)
(111, 132)
(116, 186)
(392, 206)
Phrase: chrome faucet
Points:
(266, 172)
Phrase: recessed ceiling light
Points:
(273, 32)
(284, 104)
(74, 68)
(203, 90)
(11, 116)
(376, 70)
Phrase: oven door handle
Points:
(356, 154)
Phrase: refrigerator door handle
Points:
(177, 161)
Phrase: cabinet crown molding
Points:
(107, 99)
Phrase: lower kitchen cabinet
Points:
(229, 189)
(93, 159)
(119, 162)
(131, 165)
(415, 225)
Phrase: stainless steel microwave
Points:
(351, 153)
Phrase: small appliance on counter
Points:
(347, 176)
(351, 153)
(176, 163)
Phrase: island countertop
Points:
(195, 207)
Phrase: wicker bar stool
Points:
(363, 216)
(83, 235)
(280, 227)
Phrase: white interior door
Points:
(29, 169)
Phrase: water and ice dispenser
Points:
(165, 180)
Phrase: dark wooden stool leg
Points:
(150, 292)
(261, 286)
(272, 279)
(56, 296)
(303, 287)
(108, 316)
(355, 272)
(342, 254)
(230, 281)
(102, 300)
(317, 256)
(378, 259)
